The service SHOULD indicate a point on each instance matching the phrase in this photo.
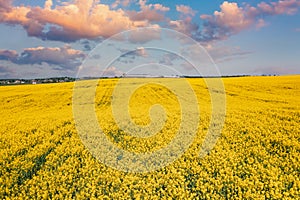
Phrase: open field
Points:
(256, 157)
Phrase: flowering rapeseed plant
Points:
(256, 157)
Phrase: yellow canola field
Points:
(256, 156)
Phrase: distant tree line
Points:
(36, 81)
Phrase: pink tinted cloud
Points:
(120, 2)
(232, 19)
(149, 15)
(159, 7)
(8, 54)
(71, 21)
(184, 26)
(5, 5)
(148, 12)
(141, 51)
(232, 16)
(229, 20)
(90, 19)
(14, 15)
(186, 10)
(261, 23)
(145, 35)
(281, 7)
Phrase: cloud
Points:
(157, 7)
(186, 10)
(141, 51)
(128, 56)
(144, 35)
(48, 4)
(168, 58)
(5, 71)
(261, 23)
(232, 19)
(150, 12)
(187, 66)
(13, 15)
(89, 19)
(63, 57)
(8, 55)
(5, 5)
(289, 7)
(185, 26)
(86, 45)
(117, 3)
(221, 54)
(160, 7)
(149, 15)
(70, 21)
(276, 70)
(112, 72)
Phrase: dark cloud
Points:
(63, 57)
(140, 51)
(128, 56)
(87, 47)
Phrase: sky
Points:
(51, 38)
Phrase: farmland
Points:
(256, 157)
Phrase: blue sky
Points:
(53, 38)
